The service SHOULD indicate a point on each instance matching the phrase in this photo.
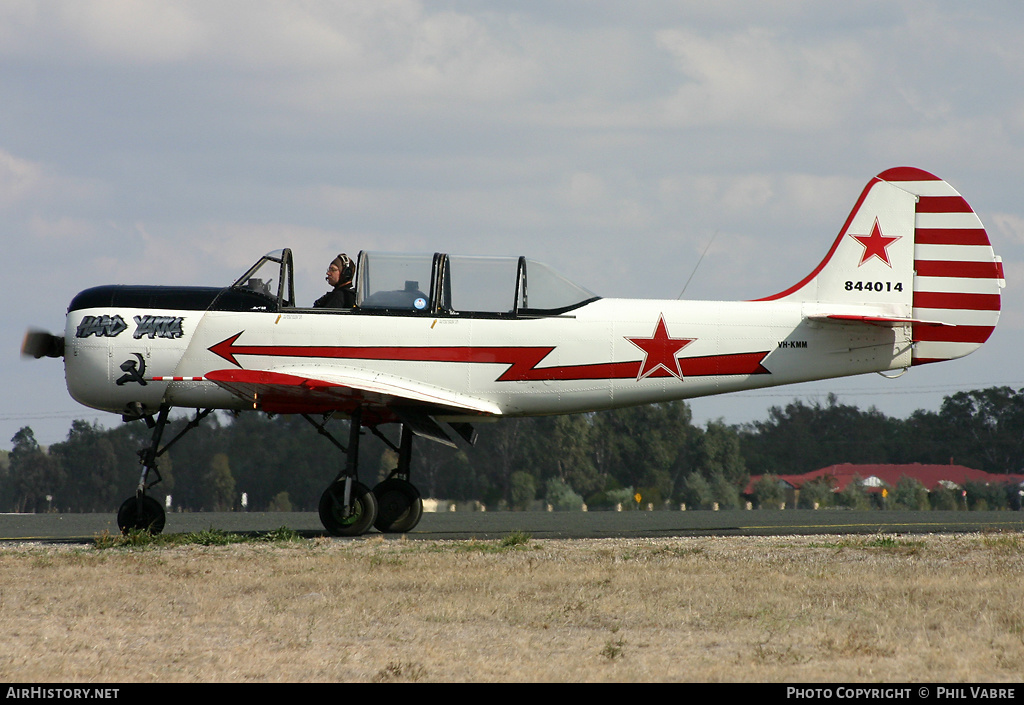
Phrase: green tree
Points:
(725, 492)
(719, 453)
(982, 429)
(816, 494)
(804, 437)
(102, 467)
(612, 496)
(503, 448)
(944, 498)
(697, 492)
(769, 492)
(561, 496)
(445, 472)
(524, 489)
(983, 496)
(564, 451)
(854, 496)
(270, 455)
(219, 484)
(280, 503)
(33, 474)
(910, 494)
(644, 446)
(715, 453)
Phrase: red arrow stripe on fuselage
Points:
(522, 361)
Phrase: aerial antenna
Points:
(706, 248)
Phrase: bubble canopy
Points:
(435, 284)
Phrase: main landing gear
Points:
(349, 508)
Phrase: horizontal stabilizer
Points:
(883, 321)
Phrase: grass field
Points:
(882, 608)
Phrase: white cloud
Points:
(19, 179)
(1009, 226)
(32, 185)
(764, 78)
(156, 31)
(100, 31)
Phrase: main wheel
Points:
(399, 506)
(332, 509)
(141, 515)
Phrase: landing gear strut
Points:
(348, 508)
(142, 512)
(399, 506)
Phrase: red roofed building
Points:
(875, 478)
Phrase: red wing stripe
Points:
(957, 334)
(969, 270)
(972, 302)
(943, 204)
(738, 364)
(951, 236)
(523, 361)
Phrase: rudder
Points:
(912, 250)
(958, 276)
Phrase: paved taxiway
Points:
(561, 525)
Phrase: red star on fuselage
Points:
(875, 245)
(660, 351)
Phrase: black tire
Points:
(359, 520)
(146, 515)
(399, 507)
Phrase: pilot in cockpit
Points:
(340, 273)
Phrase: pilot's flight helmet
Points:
(346, 266)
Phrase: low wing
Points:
(384, 398)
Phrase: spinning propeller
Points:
(38, 343)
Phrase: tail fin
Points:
(911, 252)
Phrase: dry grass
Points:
(779, 609)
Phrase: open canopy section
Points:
(271, 276)
(461, 284)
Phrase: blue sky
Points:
(176, 142)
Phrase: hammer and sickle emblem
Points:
(133, 371)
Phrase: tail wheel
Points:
(399, 506)
(355, 522)
(141, 514)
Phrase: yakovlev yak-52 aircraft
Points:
(438, 341)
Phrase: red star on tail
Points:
(660, 351)
(875, 245)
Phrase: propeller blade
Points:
(38, 343)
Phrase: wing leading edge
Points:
(294, 390)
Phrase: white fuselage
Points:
(608, 353)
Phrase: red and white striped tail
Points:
(914, 253)
(957, 276)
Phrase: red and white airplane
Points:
(438, 341)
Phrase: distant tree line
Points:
(601, 459)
